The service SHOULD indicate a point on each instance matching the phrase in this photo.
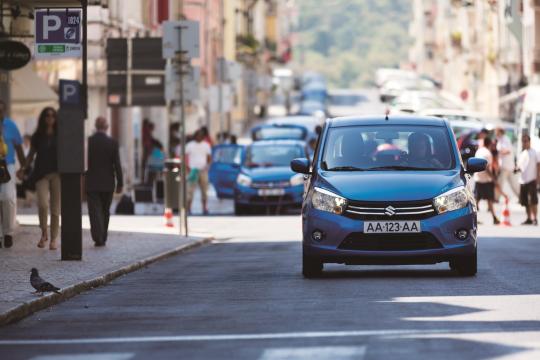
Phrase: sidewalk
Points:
(131, 245)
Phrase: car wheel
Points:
(466, 265)
(240, 209)
(311, 267)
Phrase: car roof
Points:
(391, 119)
(278, 142)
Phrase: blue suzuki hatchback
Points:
(388, 190)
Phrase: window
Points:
(370, 147)
(273, 155)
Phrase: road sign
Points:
(171, 39)
(58, 33)
(70, 93)
(191, 83)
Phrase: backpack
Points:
(125, 206)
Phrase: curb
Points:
(21, 311)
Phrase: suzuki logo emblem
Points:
(390, 211)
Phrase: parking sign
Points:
(58, 33)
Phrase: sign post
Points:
(180, 44)
(62, 33)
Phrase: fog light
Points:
(317, 235)
(462, 234)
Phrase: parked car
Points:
(258, 175)
(414, 206)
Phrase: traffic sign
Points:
(70, 92)
(58, 33)
(190, 85)
(171, 39)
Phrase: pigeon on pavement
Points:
(41, 285)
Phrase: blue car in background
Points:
(388, 191)
(258, 175)
(279, 131)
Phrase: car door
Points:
(226, 161)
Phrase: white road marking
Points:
(230, 337)
(484, 308)
(315, 353)
(93, 356)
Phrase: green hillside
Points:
(348, 39)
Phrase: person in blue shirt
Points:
(8, 191)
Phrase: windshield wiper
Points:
(398, 167)
(346, 168)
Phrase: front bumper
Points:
(336, 228)
(293, 196)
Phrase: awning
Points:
(29, 93)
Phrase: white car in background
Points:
(454, 114)
(414, 101)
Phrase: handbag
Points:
(4, 172)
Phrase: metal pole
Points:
(220, 98)
(182, 205)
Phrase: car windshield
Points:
(277, 132)
(388, 147)
(272, 155)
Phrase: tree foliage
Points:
(347, 40)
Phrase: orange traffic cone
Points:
(168, 217)
(506, 215)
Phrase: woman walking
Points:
(45, 175)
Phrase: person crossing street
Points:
(529, 172)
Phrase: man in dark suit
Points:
(103, 169)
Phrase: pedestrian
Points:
(506, 161)
(174, 138)
(496, 170)
(11, 139)
(528, 167)
(155, 162)
(485, 182)
(147, 144)
(45, 176)
(103, 177)
(198, 158)
(206, 136)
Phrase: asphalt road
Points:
(243, 297)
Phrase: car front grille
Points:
(270, 184)
(405, 210)
(390, 242)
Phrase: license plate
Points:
(271, 192)
(387, 227)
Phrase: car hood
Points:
(273, 173)
(390, 185)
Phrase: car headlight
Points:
(243, 180)
(451, 200)
(325, 200)
(297, 179)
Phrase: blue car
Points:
(258, 176)
(388, 190)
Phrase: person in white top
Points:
(528, 165)
(198, 159)
(485, 183)
(506, 161)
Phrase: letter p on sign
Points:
(51, 23)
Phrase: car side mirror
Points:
(475, 165)
(300, 165)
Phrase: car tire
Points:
(240, 209)
(466, 265)
(311, 267)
